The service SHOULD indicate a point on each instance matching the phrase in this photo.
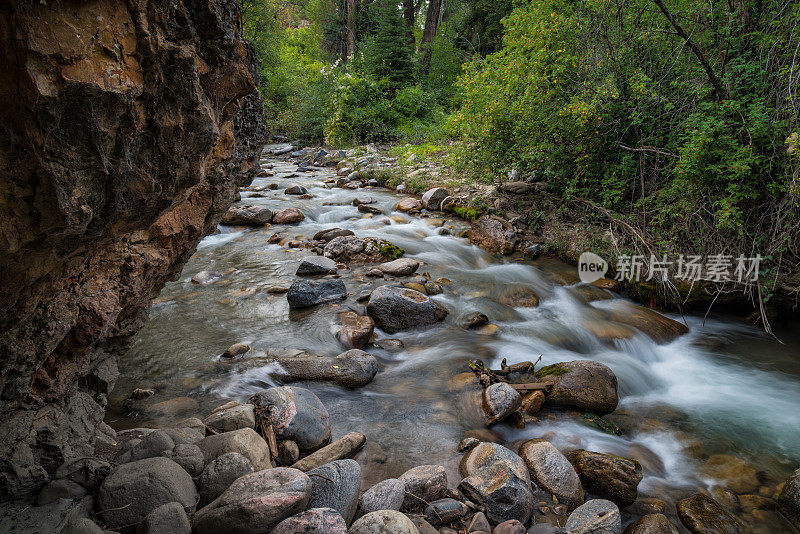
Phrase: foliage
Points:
(388, 53)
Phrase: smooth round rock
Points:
(397, 308)
(552, 471)
(356, 329)
(313, 521)
(220, 473)
(423, 484)
(188, 456)
(597, 516)
(316, 265)
(388, 494)
(248, 215)
(307, 293)
(444, 511)
(383, 522)
(288, 216)
(400, 267)
(651, 524)
(288, 452)
(170, 518)
(245, 441)
(509, 527)
(231, 418)
(609, 476)
(255, 503)
(133, 490)
(297, 414)
(583, 384)
(432, 199)
(408, 205)
(336, 485)
(501, 493)
(499, 401)
(487, 453)
(700, 513)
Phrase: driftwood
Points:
(531, 386)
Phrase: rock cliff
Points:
(125, 129)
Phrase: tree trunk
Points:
(351, 28)
(429, 32)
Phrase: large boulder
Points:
(702, 514)
(313, 521)
(296, 414)
(583, 384)
(552, 471)
(789, 498)
(307, 293)
(135, 489)
(384, 522)
(432, 199)
(336, 485)
(245, 441)
(612, 477)
(658, 327)
(500, 492)
(351, 369)
(255, 503)
(220, 473)
(248, 216)
(736, 474)
(397, 308)
(597, 516)
(170, 517)
(494, 234)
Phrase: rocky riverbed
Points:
(315, 369)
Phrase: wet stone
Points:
(702, 514)
(552, 471)
(296, 414)
(499, 401)
(316, 265)
(307, 293)
(612, 477)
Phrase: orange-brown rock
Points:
(126, 129)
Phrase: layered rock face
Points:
(125, 129)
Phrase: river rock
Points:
(552, 471)
(331, 233)
(336, 485)
(494, 234)
(597, 516)
(383, 522)
(499, 401)
(478, 523)
(245, 441)
(532, 402)
(236, 349)
(170, 517)
(400, 267)
(155, 443)
(734, 473)
(612, 477)
(510, 527)
(351, 369)
(703, 515)
(356, 329)
(651, 524)
(487, 453)
(288, 216)
(432, 199)
(255, 503)
(789, 499)
(220, 473)
(314, 265)
(205, 278)
(409, 205)
(583, 384)
(133, 490)
(658, 327)
(516, 188)
(188, 456)
(366, 208)
(248, 216)
(386, 495)
(423, 484)
(313, 521)
(500, 491)
(231, 418)
(295, 190)
(360, 201)
(424, 527)
(307, 293)
(288, 452)
(60, 489)
(518, 296)
(444, 511)
(396, 308)
(343, 447)
(473, 320)
(296, 414)
(347, 249)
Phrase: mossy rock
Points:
(556, 369)
(390, 251)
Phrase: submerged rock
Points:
(734, 473)
(494, 234)
(296, 414)
(700, 513)
(307, 293)
(582, 384)
(255, 503)
(351, 369)
(658, 327)
(205, 278)
(396, 308)
(612, 477)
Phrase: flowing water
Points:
(723, 388)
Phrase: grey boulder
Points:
(383, 522)
(316, 265)
(220, 473)
(336, 485)
(170, 517)
(245, 441)
(307, 293)
(397, 308)
(385, 495)
(313, 521)
(296, 414)
(597, 516)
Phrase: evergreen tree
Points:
(388, 54)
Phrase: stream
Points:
(723, 388)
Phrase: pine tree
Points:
(388, 54)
